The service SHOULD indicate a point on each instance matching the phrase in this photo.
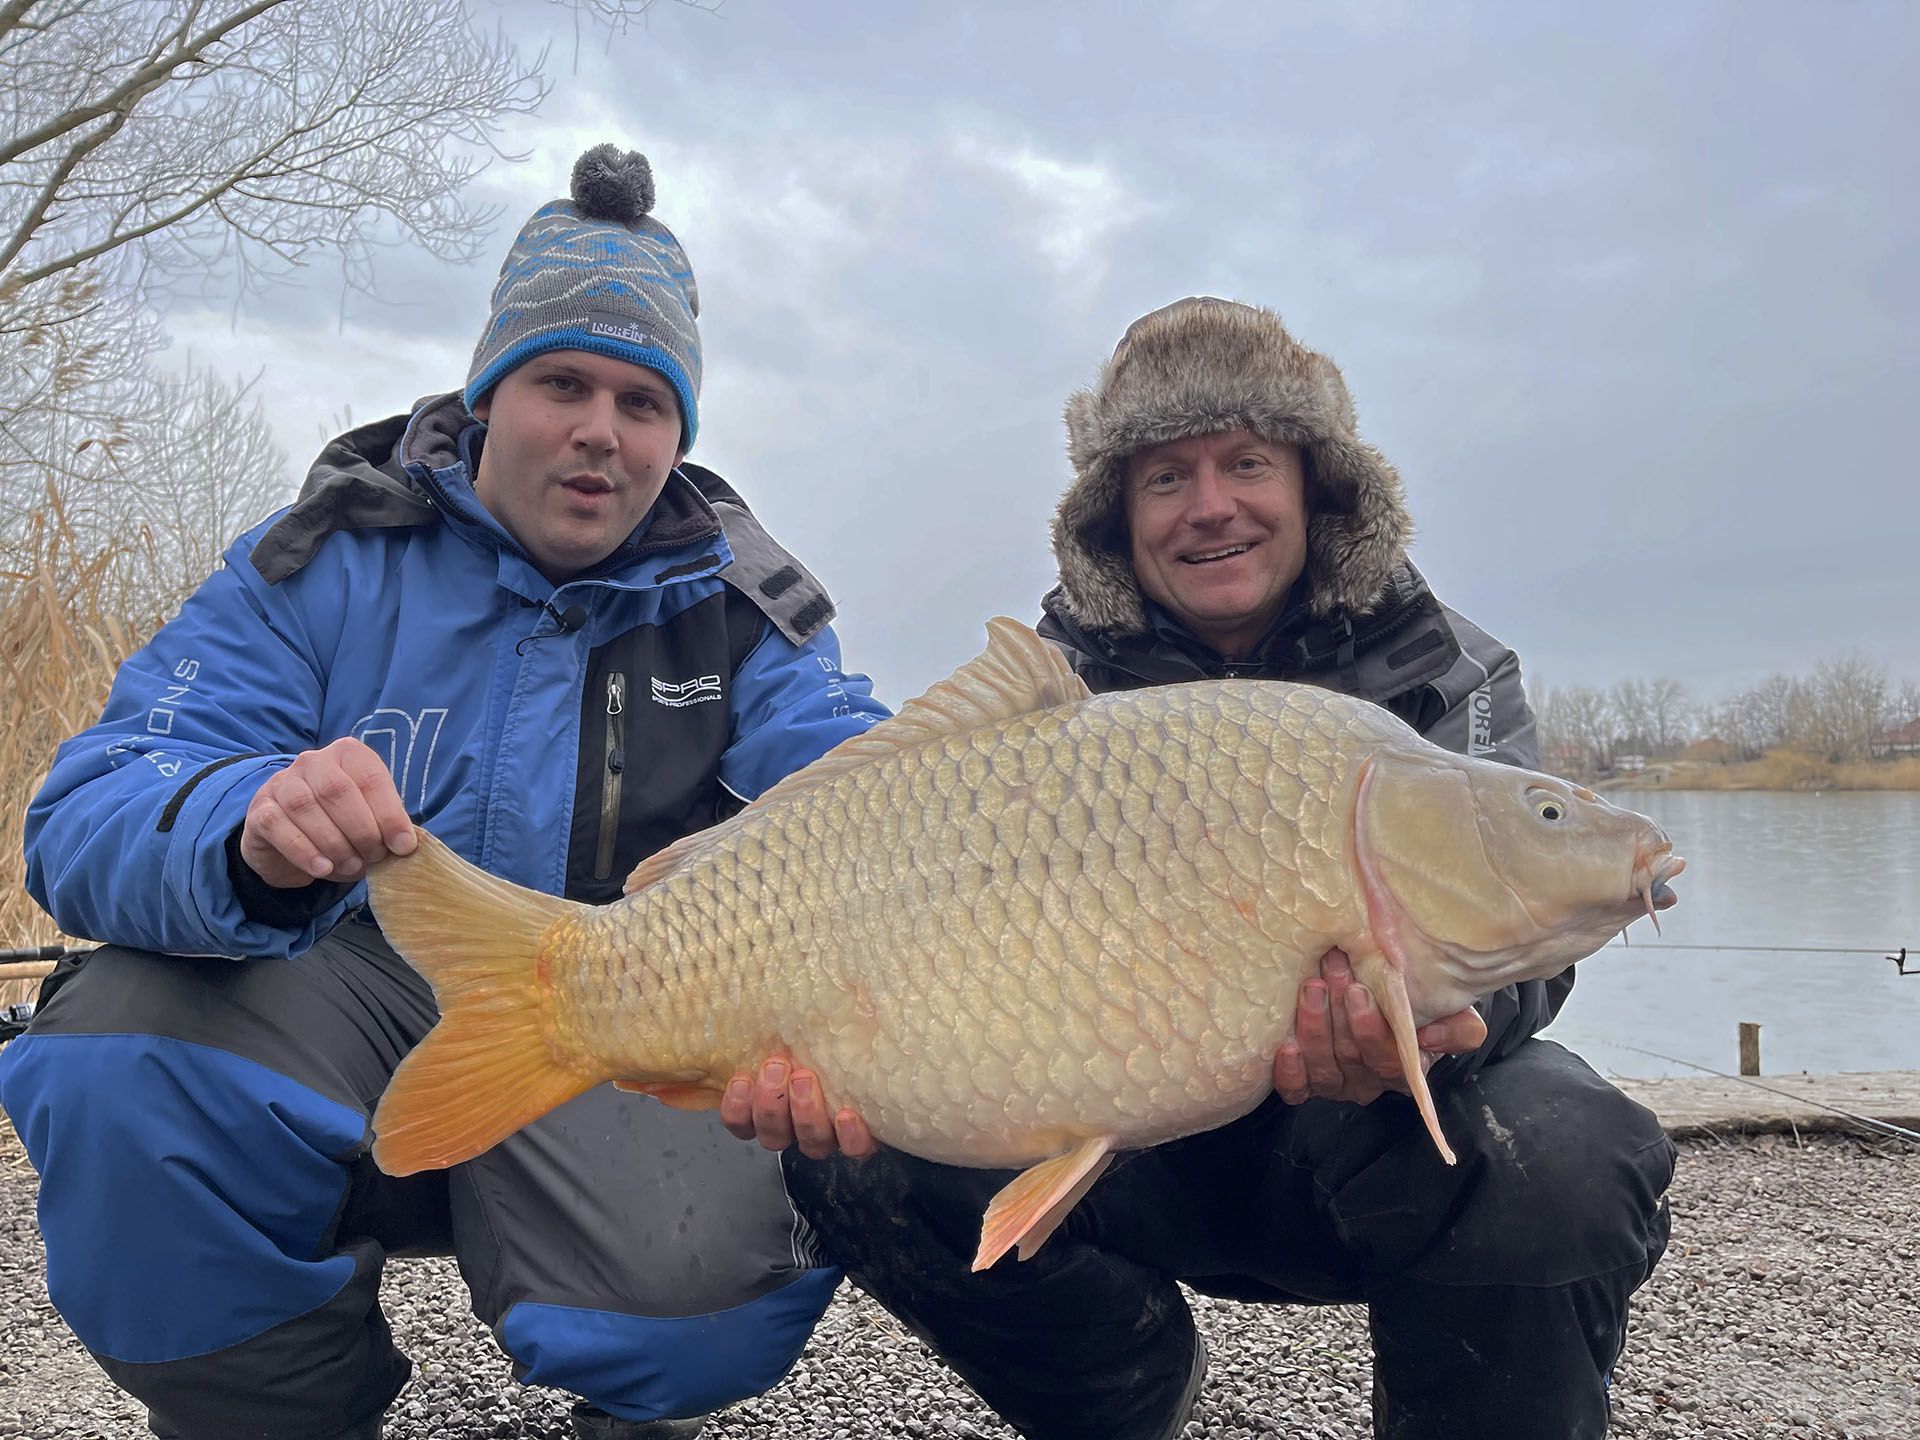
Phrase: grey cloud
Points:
(1626, 294)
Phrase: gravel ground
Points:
(1788, 1306)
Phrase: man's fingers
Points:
(1348, 1051)
(736, 1107)
(287, 817)
(328, 815)
(812, 1125)
(1340, 990)
(772, 1119)
(1313, 1028)
(855, 1140)
(370, 776)
(1458, 1034)
(258, 850)
(784, 1105)
(1372, 1035)
(1290, 1074)
(345, 805)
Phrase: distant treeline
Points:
(1848, 711)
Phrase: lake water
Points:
(1839, 869)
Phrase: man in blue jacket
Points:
(515, 617)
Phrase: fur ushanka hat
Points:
(1197, 367)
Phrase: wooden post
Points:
(1749, 1048)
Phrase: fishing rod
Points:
(1884, 1125)
(1899, 959)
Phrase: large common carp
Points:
(1018, 925)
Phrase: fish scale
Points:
(1017, 926)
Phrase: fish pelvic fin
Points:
(677, 1094)
(1032, 1205)
(487, 1068)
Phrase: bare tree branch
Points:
(43, 202)
(134, 87)
(12, 13)
(241, 149)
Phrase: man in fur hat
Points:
(1226, 520)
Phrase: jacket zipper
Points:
(616, 763)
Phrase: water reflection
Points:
(1838, 869)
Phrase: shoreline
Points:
(1696, 1106)
(1782, 771)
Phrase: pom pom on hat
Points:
(612, 184)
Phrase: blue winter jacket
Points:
(396, 609)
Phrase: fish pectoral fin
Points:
(1381, 960)
(680, 1094)
(1034, 1203)
(1386, 982)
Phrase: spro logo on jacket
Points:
(686, 692)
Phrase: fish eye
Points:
(1549, 806)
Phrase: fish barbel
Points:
(1018, 925)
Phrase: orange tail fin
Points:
(487, 1068)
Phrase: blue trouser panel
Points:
(1497, 1290)
(216, 1230)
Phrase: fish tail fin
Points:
(1389, 989)
(487, 1068)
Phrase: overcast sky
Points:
(1626, 292)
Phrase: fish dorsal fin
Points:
(1017, 674)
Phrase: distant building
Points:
(1566, 759)
(1902, 741)
(1630, 764)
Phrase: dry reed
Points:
(66, 623)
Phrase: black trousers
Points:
(1497, 1290)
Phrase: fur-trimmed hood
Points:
(1197, 367)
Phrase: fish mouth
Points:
(1651, 872)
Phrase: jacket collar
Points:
(1402, 642)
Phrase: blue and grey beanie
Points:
(597, 272)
